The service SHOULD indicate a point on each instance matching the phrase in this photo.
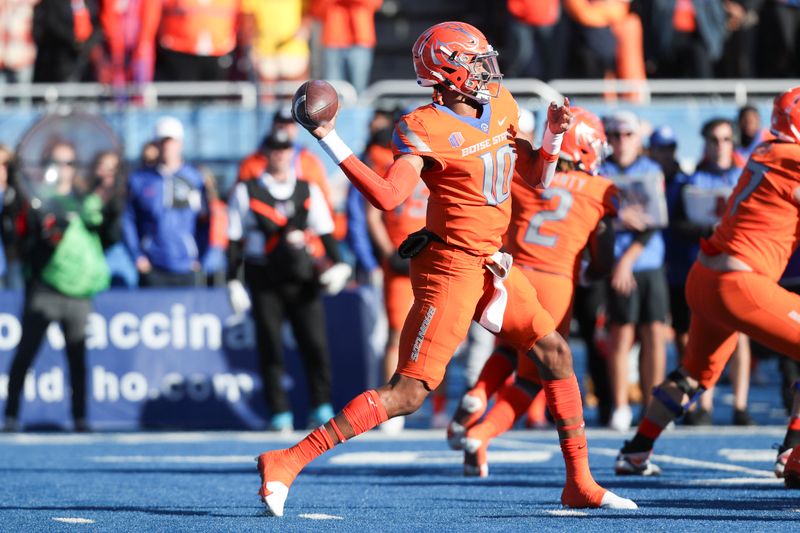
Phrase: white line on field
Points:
(566, 512)
(71, 520)
(320, 516)
(737, 481)
(186, 459)
(669, 459)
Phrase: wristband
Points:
(336, 148)
(551, 143)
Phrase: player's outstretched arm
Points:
(384, 192)
(539, 167)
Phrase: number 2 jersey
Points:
(550, 227)
(761, 223)
(469, 165)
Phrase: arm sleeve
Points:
(386, 192)
(601, 250)
(357, 236)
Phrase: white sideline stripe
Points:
(741, 455)
(184, 459)
(436, 458)
(670, 459)
(320, 516)
(69, 520)
(409, 435)
(736, 481)
(566, 512)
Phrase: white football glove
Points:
(335, 278)
(238, 297)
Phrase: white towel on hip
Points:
(492, 315)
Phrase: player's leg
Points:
(623, 315)
(792, 438)
(447, 284)
(37, 314)
(526, 322)
(511, 402)
(73, 324)
(494, 373)
(711, 343)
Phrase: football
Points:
(315, 103)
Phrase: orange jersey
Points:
(761, 223)
(408, 217)
(550, 227)
(470, 165)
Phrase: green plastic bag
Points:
(78, 266)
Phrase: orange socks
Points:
(497, 368)
(510, 403)
(564, 401)
(364, 412)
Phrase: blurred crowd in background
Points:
(139, 41)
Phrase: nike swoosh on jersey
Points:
(502, 121)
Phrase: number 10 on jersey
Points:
(498, 167)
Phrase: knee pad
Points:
(678, 409)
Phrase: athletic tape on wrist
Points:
(551, 143)
(335, 147)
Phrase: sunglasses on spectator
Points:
(63, 163)
(619, 134)
(719, 140)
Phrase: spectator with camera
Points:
(65, 267)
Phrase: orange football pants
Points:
(555, 293)
(451, 288)
(397, 297)
(724, 303)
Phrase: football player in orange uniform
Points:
(463, 145)
(733, 286)
(550, 228)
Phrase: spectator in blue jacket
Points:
(696, 204)
(638, 299)
(165, 218)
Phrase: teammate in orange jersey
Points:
(733, 286)
(463, 146)
(549, 230)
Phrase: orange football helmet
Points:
(457, 56)
(786, 116)
(584, 143)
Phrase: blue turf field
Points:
(716, 479)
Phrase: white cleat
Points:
(612, 501)
(636, 464)
(275, 497)
(475, 463)
(455, 435)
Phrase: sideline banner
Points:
(175, 359)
